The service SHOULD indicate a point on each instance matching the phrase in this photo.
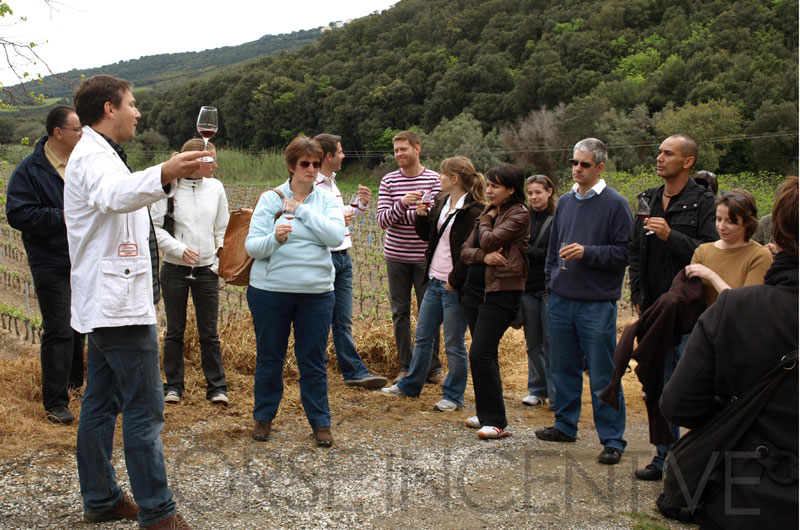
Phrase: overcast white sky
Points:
(91, 33)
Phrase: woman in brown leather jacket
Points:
(495, 252)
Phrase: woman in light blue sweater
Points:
(291, 284)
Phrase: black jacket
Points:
(537, 256)
(736, 341)
(35, 206)
(691, 220)
(427, 230)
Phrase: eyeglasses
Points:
(305, 163)
(73, 129)
(584, 165)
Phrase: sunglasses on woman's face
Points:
(584, 165)
(305, 163)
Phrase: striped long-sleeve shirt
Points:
(401, 242)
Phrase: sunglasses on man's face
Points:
(305, 163)
(584, 165)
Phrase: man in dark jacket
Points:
(35, 206)
(681, 218)
(734, 344)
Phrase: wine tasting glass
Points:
(643, 213)
(207, 125)
(427, 198)
(563, 263)
(354, 200)
(288, 211)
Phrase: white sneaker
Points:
(220, 398)
(172, 397)
(533, 401)
(488, 432)
(445, 405)
(472, 422)
(393, 390)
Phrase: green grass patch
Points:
(645, 521)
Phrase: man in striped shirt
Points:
(403, 250)
(350, 363)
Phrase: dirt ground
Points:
(395, 463)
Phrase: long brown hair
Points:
(784, 216)
(471, 180)
(547, 182)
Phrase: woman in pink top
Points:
(445, 227)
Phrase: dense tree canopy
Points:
(627, 71)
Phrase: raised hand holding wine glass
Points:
(643, 212)
(207, 126)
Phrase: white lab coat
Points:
(105, 209)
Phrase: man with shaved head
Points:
(682, 217)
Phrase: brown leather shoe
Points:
(176, 522)
(261, 430)
(323, 436)
(125, 509)
(435, 379)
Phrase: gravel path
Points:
(393, 464)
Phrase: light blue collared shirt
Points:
(597, 189)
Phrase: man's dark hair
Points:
(91, 96)
(328, 143)
(57, 117)
(689, 147)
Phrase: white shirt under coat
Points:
(329, 184)
(105, 209)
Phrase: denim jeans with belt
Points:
(61, 351)
(175, 288)
(123, 376)
(274, 313)
(350, 364)
(584, 329)
(537, 344)
(439, 306)
(401, 277)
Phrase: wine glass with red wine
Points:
(288, 211)
(207, 125)
(643, 213)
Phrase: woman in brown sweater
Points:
(734, 260)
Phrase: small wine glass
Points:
(427, 198)
(191, 275)
(207, 126)
(288, 211)
(355, 200)
(563, 263)
(643, 212)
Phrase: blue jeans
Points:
(175, 287)
(537, 344)
(400, 278)
(578, 330)
(274, 314)
(674, 355)
(123, 376)
(350, 364)
(439, 306)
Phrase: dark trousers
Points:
(401, 278)
(62, 347)
(175, 287)
(488, 321)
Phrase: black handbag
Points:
(169, 218)
(692, 465)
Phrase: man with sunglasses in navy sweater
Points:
(586, 262)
